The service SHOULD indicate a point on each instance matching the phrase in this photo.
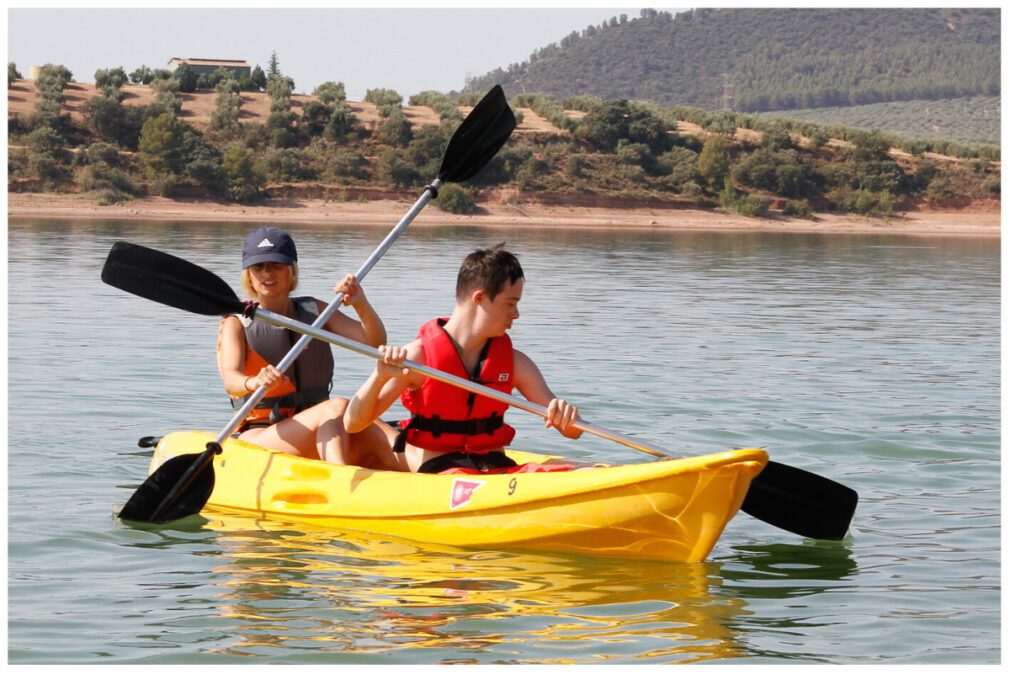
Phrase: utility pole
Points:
(728, 96)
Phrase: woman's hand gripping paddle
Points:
(182, 486)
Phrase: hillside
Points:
(131, 142)
(963, 120)
(770, 59)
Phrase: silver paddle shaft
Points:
(315, 332)
(334, 306)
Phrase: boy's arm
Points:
(531, 383)
(384, 385)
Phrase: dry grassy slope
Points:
(197, 109)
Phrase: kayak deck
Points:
(673, 510)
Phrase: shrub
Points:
(243, 178)
(394, 171)
(287, 164)
(340, 124)
(44, 166)
(798, 208)
(104, 177)
(208, 173)
(107, 197)
(455, 199)
(752, 205)
(636, 154)
(349, 165)
(713, 162)
(384, 98)
(164, 185)
(885, 203)
(330, 93)
(101, 153)
(863, 202)
(394, 130)
(577, 166)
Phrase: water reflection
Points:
(341, 591)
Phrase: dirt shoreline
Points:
(957, 223)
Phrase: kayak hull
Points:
(672, 510)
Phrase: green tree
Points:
(186, 77)
(110, 78)
(315, 116)
(384, 98)
(330, 93)
(392, 170)
(340, 124)
(258, 78)
(161, 142)
(426, 148)
(12, 74)
(454, 198)
(52, 80)
(713, 162)
(604, 126)
(142, 75)
(394, 130)
(280, 87)
(243, 178)
(107, 118)
(227, 107)
(273, 66)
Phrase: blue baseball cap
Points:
(268, 244)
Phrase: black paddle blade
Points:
(169, 280)
(801, 502)
(478, 138)
(143, 505)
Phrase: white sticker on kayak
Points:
(462, 492)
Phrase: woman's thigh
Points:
(297, 435)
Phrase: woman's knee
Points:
(336, 406)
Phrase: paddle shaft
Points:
(315, 332)
(323, 317)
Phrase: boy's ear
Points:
(477, 296)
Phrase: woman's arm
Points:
(231, 361)
(369, 328)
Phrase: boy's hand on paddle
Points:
(561, 415)
(391, 364)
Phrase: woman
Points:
(296, 416)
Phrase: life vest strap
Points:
(437, 426)
(298, 399)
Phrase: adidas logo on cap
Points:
(265, 243)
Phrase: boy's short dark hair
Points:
(487, 269)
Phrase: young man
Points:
(453, 430)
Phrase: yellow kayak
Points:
(673, 510)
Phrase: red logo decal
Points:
(462, 492)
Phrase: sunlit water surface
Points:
(872, 360)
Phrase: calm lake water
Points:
(872, 360)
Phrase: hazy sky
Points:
(409, 50)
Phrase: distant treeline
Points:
(770, 59)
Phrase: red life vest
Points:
(446, 418)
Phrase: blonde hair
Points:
(247, 280)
